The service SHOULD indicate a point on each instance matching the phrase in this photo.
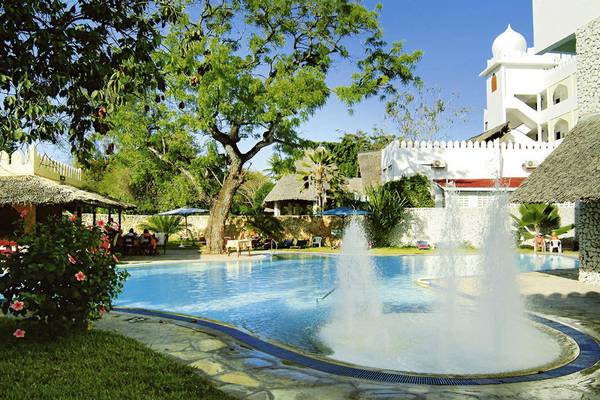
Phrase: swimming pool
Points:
(277, 298)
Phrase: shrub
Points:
(66, 277)
(387, 211)
(415, 190)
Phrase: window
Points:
(494, 83)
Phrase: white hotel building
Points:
(531, 105)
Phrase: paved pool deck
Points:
(249, 374)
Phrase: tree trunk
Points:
(215, 231)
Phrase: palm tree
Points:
(388, 209)
(317, 169)
(167, 224)
(539, 218)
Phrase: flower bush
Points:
(65, 277)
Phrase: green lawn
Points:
(378, 251)
(94, 365)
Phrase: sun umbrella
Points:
(185, 211)
(345, 211)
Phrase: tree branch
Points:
(184, 171)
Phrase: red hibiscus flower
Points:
(80, 276)
(17, 305)
(101, 223)
(72, 217)
(72, 259)
(19, 333)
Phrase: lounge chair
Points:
(286, 244)
(300, 244)
(423, 245)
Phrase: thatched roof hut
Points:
(289, 191)
(569, 173)
(34, 190)
(290, 187)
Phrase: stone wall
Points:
(588, 73)
(422, 224)
(587, 217)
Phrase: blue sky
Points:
(456, 37)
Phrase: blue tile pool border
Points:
(589, 355)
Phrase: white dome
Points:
(509, 43)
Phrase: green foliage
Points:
(66, 277)
(167, 224)
(415, 190)
(388, 210)
(63, 65)
(318, 170)
(539, 218)
(344, 152)
(250, 196)
(44, 368)
(158, 164)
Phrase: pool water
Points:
(278, 298)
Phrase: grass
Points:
(378, 251)
(93, 365)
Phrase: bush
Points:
(387, 211)
(66, 277)
(415, 190)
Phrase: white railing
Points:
(31, 162)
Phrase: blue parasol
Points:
(345, 211)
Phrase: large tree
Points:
(249, 72)
(63, 64)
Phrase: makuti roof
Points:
(31, 189)
(569, 173)
(291, 187)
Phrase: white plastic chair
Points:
(160, 239)
(317, 240)
(555, 244)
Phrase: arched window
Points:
(561, 93)
(560, 129)
(494, 83)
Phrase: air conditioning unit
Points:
(530, 164)
(438, 164)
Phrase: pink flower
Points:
(101, 223)
(19, 333)
(72, 259)
(17, 305)
(80, 276)
(72, 217)
(116, 258)
(24, 213)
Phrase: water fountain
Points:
(485, 333)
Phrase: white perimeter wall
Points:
(428, 224)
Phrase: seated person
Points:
(153, 245)
(538, 243)
(554, 236)
(129, 240)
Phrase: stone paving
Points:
(248, 374)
